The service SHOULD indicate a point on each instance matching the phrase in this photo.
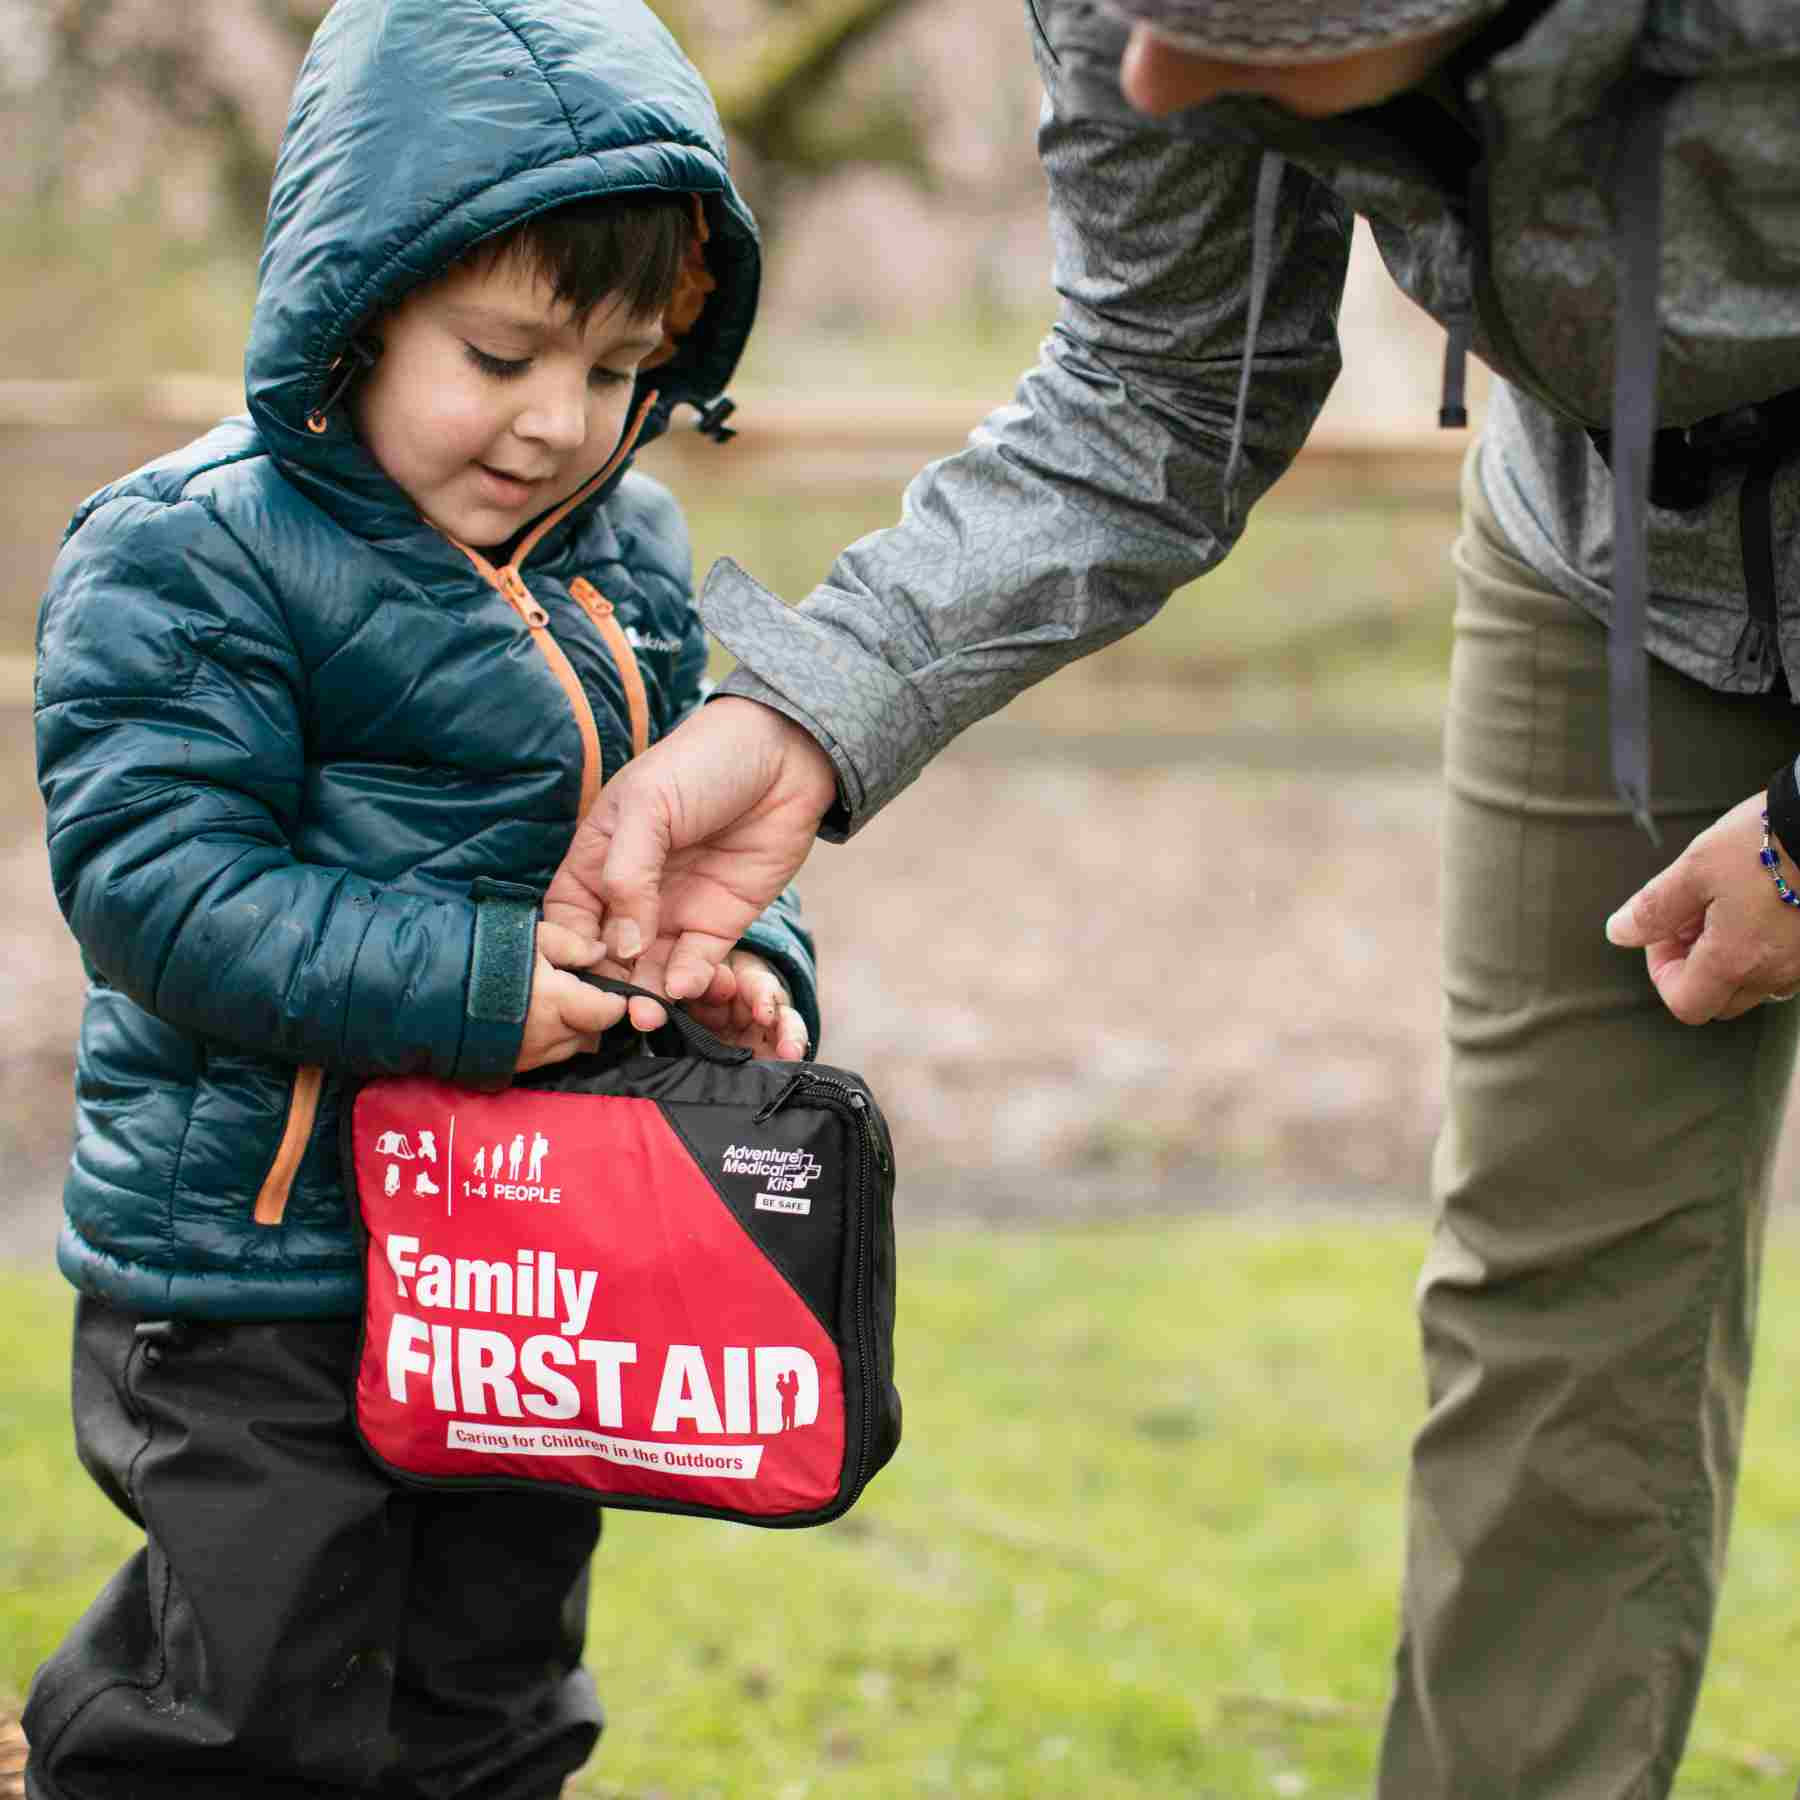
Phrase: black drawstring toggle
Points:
(357, 359)
(1453, 412)
(713, 415)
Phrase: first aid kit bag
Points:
(664, 1282)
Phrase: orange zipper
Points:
(303, 1109)
(598, 608)
(510, 584)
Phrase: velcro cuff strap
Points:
(505, 942)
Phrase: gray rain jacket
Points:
(1503, 196)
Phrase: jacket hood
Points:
(420, 128)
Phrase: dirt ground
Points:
(1088, 980)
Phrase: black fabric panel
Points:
(799, 1158)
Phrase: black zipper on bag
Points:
(770, 1108)
(852, 1105)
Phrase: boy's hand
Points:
(748, 1004)
(565, 1016)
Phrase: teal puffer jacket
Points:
(307, 771)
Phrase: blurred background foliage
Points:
(884, 144)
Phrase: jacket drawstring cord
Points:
(1636, 341)
(1262, 243)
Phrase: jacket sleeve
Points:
(171, 755)
(655, 546)
(1077, 510)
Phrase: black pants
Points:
(296, 1623)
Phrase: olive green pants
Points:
(1588, 1300)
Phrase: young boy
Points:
(320, 700)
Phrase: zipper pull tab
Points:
(1752, 651)
(591, 597)
(860, 1102)
(512, 585)
(765, 1113)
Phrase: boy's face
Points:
(490, 404)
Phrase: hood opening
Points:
(693, 287)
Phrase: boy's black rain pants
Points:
(297, 1624)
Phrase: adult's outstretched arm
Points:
(1068, 520)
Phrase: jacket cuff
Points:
(868, 717)
(501, 959)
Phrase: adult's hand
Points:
(1716, 937)
(690, 841)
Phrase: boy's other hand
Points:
(748, 1004)
(565, 1016)
(690, 841)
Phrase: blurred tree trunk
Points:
(776, 107)
(764, 105)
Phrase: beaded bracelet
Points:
(1771, 860)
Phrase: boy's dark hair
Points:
(590, 251)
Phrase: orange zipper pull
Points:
(589, 596)
(512, 585)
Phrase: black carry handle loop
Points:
(692, 1033)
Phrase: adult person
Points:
(1598, 201)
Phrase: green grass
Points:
(970, 349)
(113, 295)
(1142, 1539)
